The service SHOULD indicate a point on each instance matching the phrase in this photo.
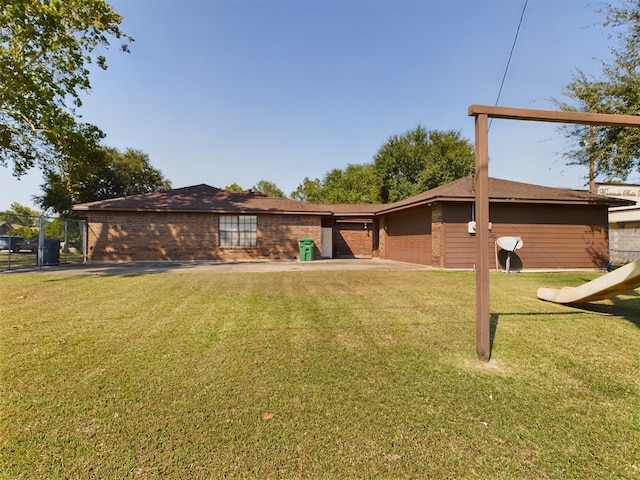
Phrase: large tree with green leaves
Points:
(419, 160)
(47, 49)
(268, 188)
(20, 215)
(354, 184)
(106, 173)
(309, 191)
(613, 152)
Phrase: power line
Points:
(513, 46)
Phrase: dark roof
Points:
(503, 191)
(203, 198)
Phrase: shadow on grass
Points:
(493, 327)
(624, 308)
(114, 269)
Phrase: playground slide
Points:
(609, 285)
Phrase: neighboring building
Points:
(6, 228)
(560, 228)
(624, 222)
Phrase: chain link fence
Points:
(28, 241)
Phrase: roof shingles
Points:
(502, 191)
(204, 198)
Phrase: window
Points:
(238, 230)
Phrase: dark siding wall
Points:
(459, 247)
(557, 236)
(408, 236)
(554, 236)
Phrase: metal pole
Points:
(41, 225)
(64, 250)
(483, 325)
(10, 244)
(85, 236)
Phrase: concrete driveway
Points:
(129, 268)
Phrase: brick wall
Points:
(379, 247)
(437, 235)
(137, 236)
(353, 239)
(624, 242)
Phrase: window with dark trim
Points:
(238, 230)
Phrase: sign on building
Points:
(628, 192)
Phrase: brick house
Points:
(560, 228)
(197, 223)
(206, 223)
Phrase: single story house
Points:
(205, 223)
(560, 228)
(6, 227)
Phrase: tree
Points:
(21, 215)
(268, 188)
(106, 173)
(405, 165)
(23, 218)
(419, 160)
(308, 191)
(46, 51)
(612, 152)
(355, 184)
(234, 187)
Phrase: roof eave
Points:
(548, 201)
(235, 211)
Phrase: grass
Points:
(313, 375)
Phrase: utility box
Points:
(307, 249)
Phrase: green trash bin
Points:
(307, 248)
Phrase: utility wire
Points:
(513, 46)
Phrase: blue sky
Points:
(224, 91)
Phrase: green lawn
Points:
(313, 375)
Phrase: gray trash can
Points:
(51, 252)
